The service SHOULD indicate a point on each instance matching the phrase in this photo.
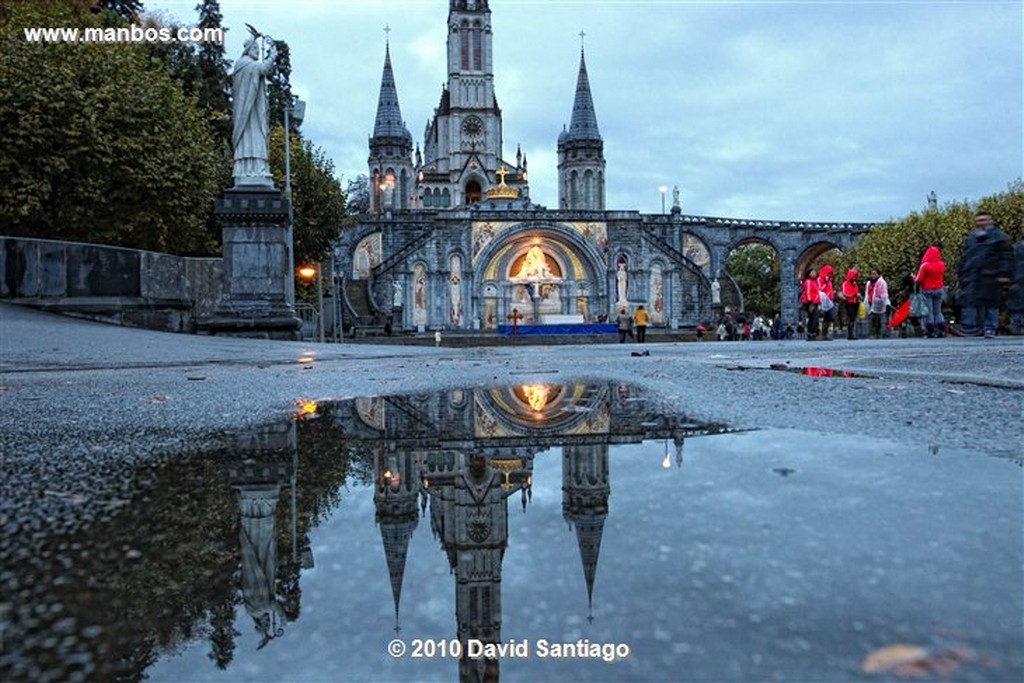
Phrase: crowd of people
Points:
(989, 264)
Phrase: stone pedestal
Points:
(254, 224)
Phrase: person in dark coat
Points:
(985, 266)
(1015, 297)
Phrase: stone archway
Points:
(751, 277)
(543, 271)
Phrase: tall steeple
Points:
(390, 162)
(581, 151)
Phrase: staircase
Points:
(400, 255)
(357, 300)
(678, 257)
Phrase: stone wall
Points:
(110, 284)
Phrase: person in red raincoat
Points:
(849, 292)
(930, 278)
(811, 299)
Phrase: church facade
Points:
(453, 240)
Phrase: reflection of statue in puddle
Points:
(270, 587)
(259, 560)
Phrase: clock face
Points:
(472, 127)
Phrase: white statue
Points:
(396, 296)
(250, 115)
(621, 281)
(675, 197)
(716, 292)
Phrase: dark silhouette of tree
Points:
(357, 194)
(279, 86)
(126, 9)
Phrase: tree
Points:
(99, 146)
(895, 248)
(317, 198)
(755, 268)
(212, 87)
(279, 86)
(357, 194)
(126, 9)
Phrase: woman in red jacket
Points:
(930, 278)
(850, 292)
(811, 298)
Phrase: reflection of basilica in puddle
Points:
(456, 458)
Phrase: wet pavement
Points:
(169, 512)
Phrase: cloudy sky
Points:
(798, 110)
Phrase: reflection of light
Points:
(536, 395)
(306, 409)
(666, 462)
(307, 359)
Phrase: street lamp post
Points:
(663, 189)
(296, 109)
(311, 271)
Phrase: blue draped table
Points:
(540, 330)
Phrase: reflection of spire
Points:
(396, 498)
(585, 492)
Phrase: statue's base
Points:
(254, 319)
(254, 224)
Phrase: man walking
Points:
(985, 266)
(641, 318)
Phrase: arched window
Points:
(446, 198)
(473, 192)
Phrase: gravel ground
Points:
(82, 404)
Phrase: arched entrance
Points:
(543, 273)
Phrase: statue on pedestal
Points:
(250, 116)
(716, 292)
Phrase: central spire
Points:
(389, 115)
(583, 125)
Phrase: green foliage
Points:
(317, 197)
(896, 248)
(755, 268)
(279, 86)
(99, 146)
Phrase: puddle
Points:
(594, 535)
(813, 371)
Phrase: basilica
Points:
(453, 241)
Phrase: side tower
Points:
(463, 141)
(581, 152)
(392, 182)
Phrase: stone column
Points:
(254, 224)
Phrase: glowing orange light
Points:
(536, 395)
(306, 409)
(308, 272)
